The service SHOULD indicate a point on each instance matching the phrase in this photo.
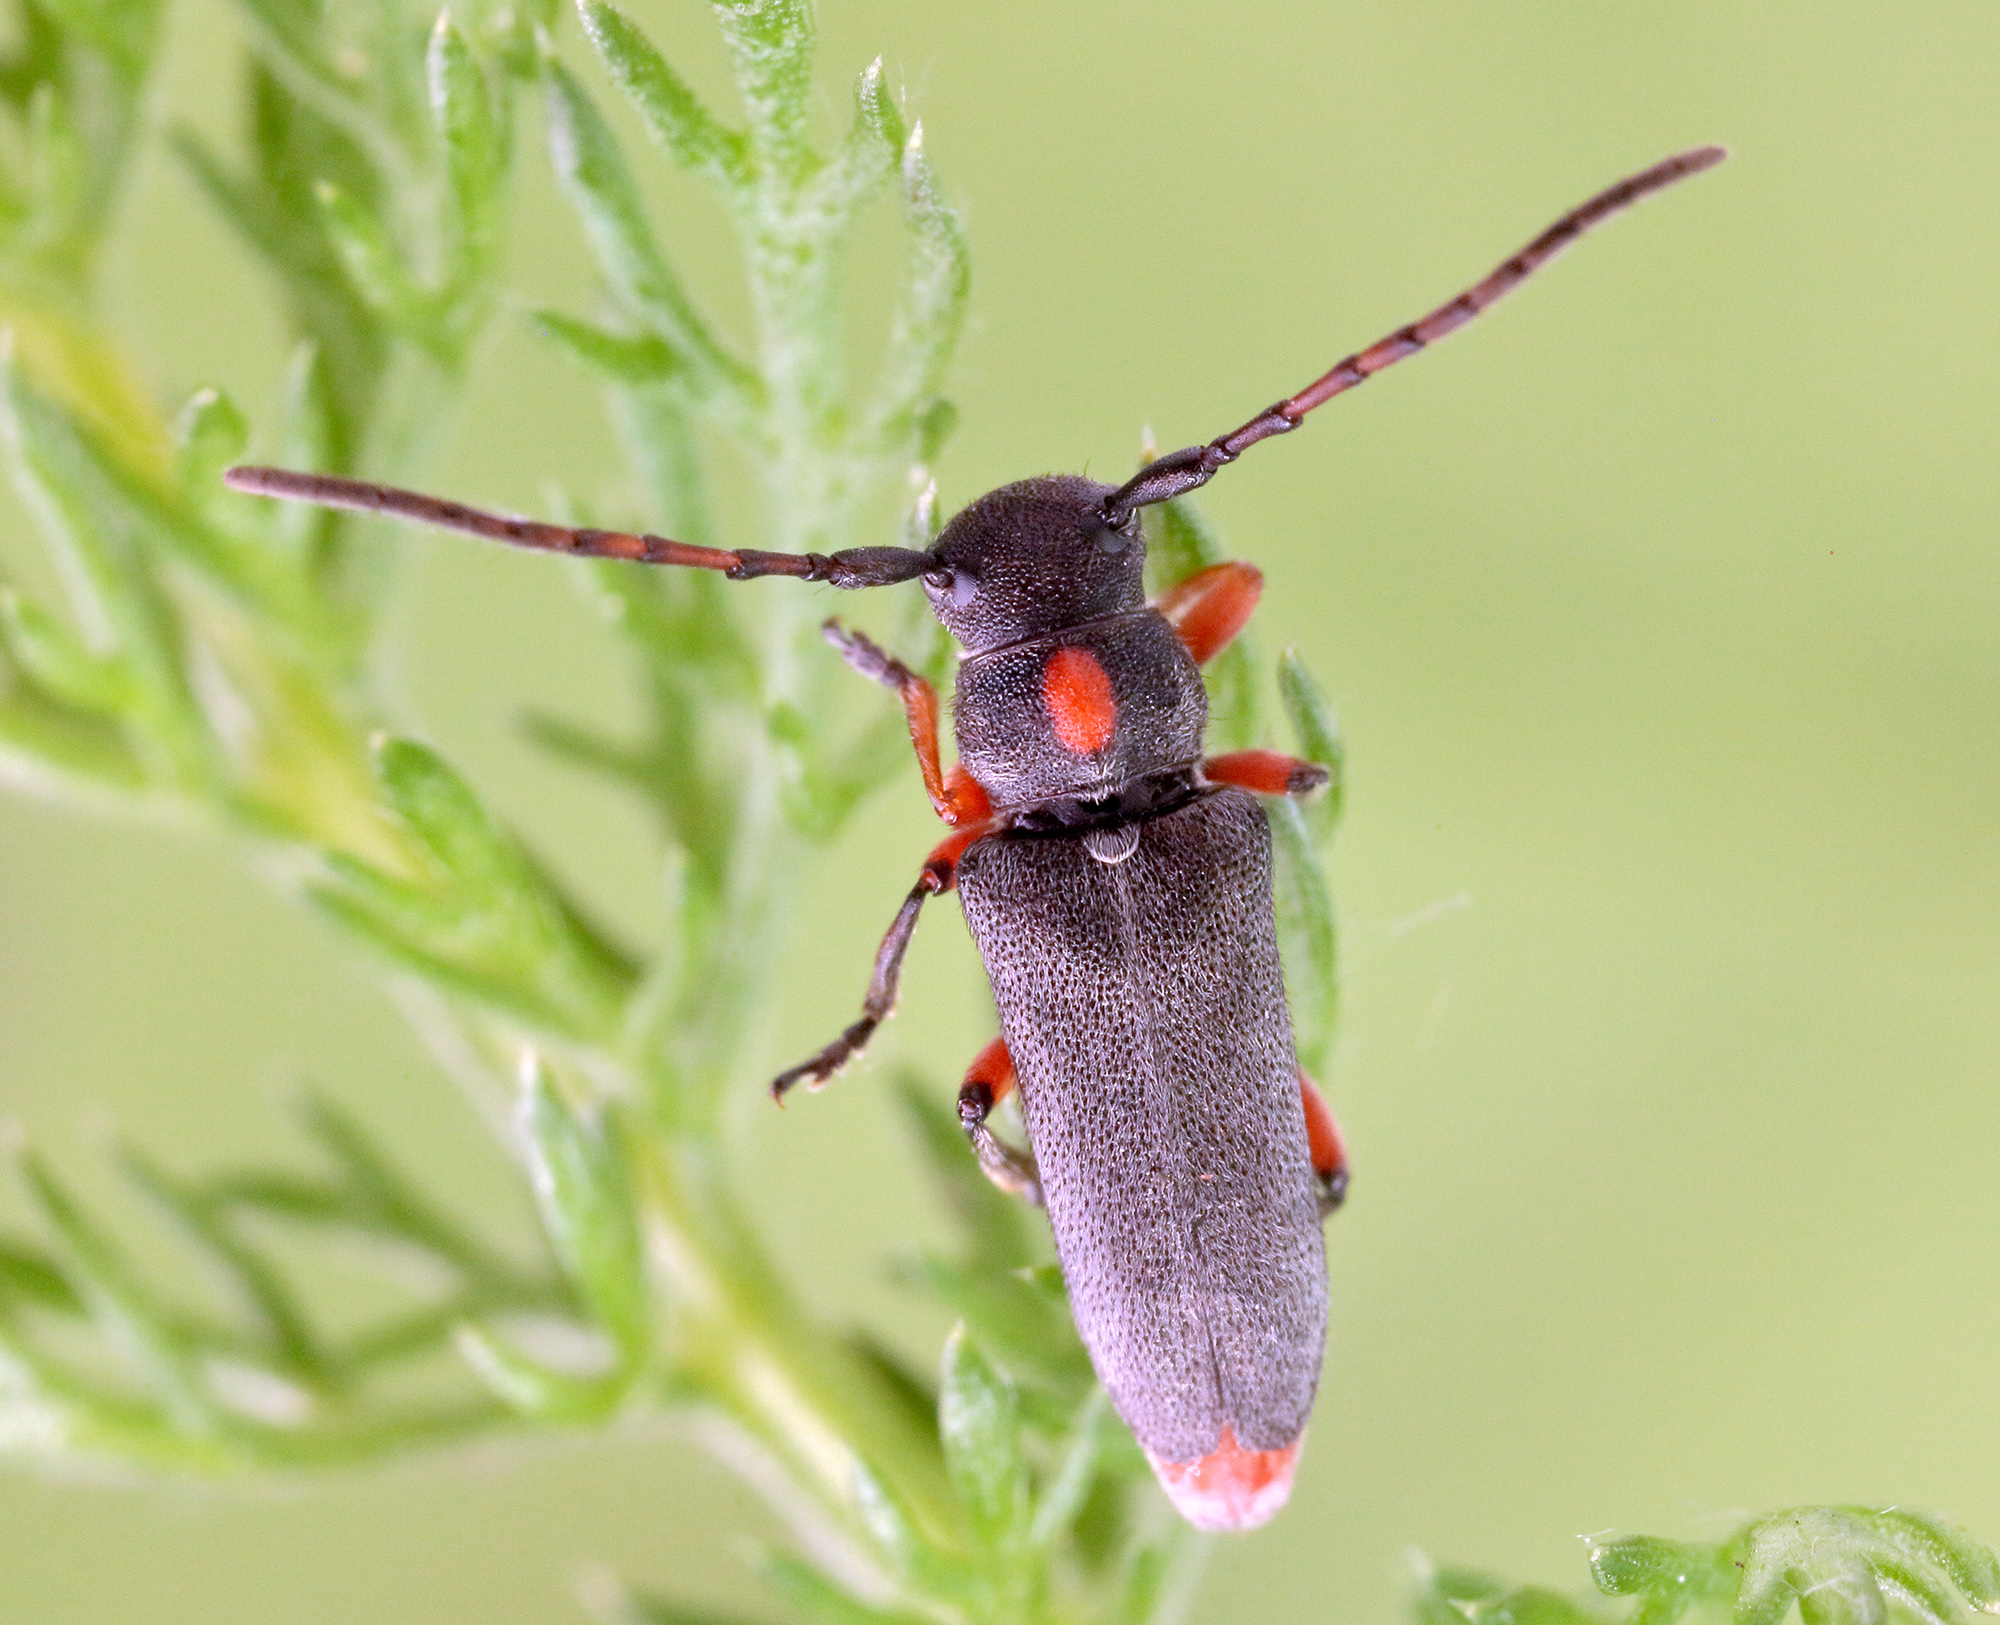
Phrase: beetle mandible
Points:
(1118, 885)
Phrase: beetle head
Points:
(1032, 558)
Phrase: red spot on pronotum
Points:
(1080, 701)
(1230, 1487)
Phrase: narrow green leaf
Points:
(59, 153)
(1915, 1591)
(771, 52)
(116, 524)
(1306, 937)
(104, 1280)
(1028, 1328)
(1062, 1498)
(28, 1277)
(682, 128)
(95, 518)
(1670, 1578)
(634, 360)
(1181, 542)
(1535, 1605)
(305, 438)
(474, 137)
(127, 31)
(585, 747)
(1638, 1563)
(526, 1386)
(372, 260)
(251, 212)
(375, 1195)
(658, 433)
(1969, 1564)
(442, 812)
(979, 1423)
(912, 1393)
(897, 1538)
(929, 314)
(492, 913)
(1444, 1596)
(285, 1332)
(867, 160)
(1465, 1597)
(932, 425)
(595, 179)
(635, 1608)
(209, 434)
(55, 659)
(422, 913)
(52, 750)
(1317, 731)
(578, 1172)
(819, 1599)
(1138, 1601)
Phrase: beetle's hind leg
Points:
(940, 874)
(1326, 1146)
(988, 1081)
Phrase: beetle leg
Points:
(1266, 771)
(1212, 606)
(988, 1081)
(940, 874)
(1325, 1145)
(957, 796)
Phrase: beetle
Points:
(1117, 883)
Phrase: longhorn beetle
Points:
(1118, 885)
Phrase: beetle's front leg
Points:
(988, 1081)
(940, 874)
(956, 795)
(1209, 608)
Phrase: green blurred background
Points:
(1659, 609)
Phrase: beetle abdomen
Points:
(1143, 1004)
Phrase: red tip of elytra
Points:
(1230, 1487)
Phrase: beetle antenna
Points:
(854, 567)
(1179, 472)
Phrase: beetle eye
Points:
(1109, 539)
(961, 584)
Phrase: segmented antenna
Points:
(852, 568)
(1182, 471)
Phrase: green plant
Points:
(1836, 1565)
(214, 666)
